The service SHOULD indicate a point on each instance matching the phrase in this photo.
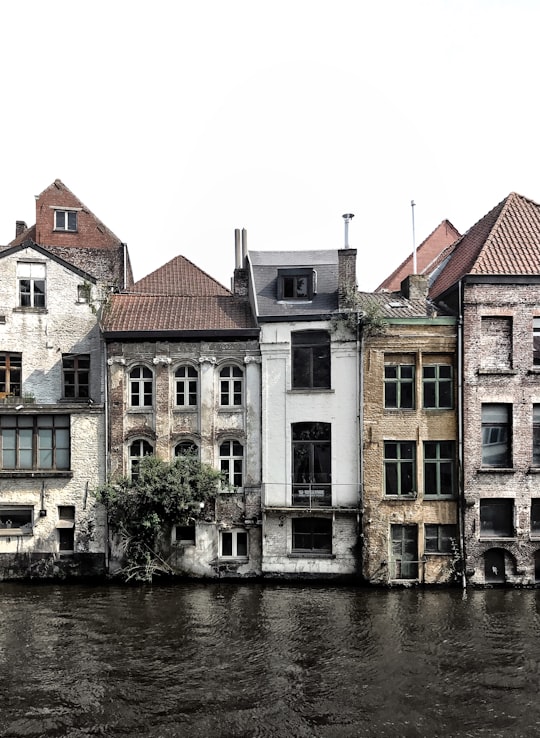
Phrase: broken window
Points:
(312, 465)
(16, 520)
(31, 279)
(312, 535)
(138, 449)
(141, 387)
(404, 552)
(437, 386)
(295, 284)
(76, 373)
(185, 534)
(496, 435)
(231, 461)
(399, 468)
(35, 442)
(497, 518)
(399, 386)
(440, 539)
(185, 378)
(310, 360)
(10, 374)
(233, 544)
(65, 220)
(439, 468)
(66, 528)
(186, 448)
(230, 386)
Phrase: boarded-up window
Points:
(496, 343)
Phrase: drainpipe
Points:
(461, 490)
(360, 354)
(106, 443)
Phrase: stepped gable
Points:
(506, 241)
(426, 254)
(177, 297)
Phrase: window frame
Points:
(535, 459)
(78, 373)
(66, 529)
(147, 448)
(231, 464)
(497, 431)
(439, 532)
(32, 287)
(186, 385)
(400, 462)
(306, 364)
(311, 464)
(185, 540)
(443, 465)
(231, 386)
(141, 386)
(313, 535)
(536, 341)
(29, 441)
(26, 529)
(10, 364)
(535, 516)
(186, 448)
(399, 384)
(233, 536)
(70, 220)
(494, 503)
(289, 287)
(437, 383)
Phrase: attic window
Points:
(295, 284)
(65, 220)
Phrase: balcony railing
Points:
(312, 495)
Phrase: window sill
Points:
(310, 555)
(39, 311)
(29, 474)
(234, 559)
(495, 470)
(437, 553)
(310, 390)
(533, 470)
(392, 410)
(141, 410)
(496, 371)
(439, 498)
(495, 537)
(534, 370)
(399, 498)
(185, 409)
(14, 532)
(230, 409)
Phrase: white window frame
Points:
(66, 212)
(227, 462)
(136, 386)
(32, 272)
(227, 381)
(135, 459)
(234, 533)
(183, 385)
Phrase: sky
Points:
(176, 122)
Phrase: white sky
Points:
(177, 122)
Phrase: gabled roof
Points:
(175, 299)
(395, 305)
(29, 244)
(265, 267)
(506, 241)
(428, 252)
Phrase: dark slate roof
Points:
(177, 297)
(426, 255)
(394, 305)
(264, 269)
(506, 241)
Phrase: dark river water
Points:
(220, 659)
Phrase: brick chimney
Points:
(240, 286)
(415, 287)
(346, 276)
(20, 227)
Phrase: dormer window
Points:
(296, 284)
(65, 220)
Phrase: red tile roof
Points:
(177, 297)
(506, 241)
(443, 236)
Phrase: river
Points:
(220, 659)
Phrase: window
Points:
(137, 450)
(295, 284)
(399, 386)
(185, 386)
(231, 462)
(76, 371)
(35, 442)
(186, 448)
(233, 544)
(310, 360)
(66, 528)
(31, 279)
(312, 465)
(497, 518)
(496, 343)
(440, 539)
(437, 385)
(439, 465)
(141, 387)
(404, 552)
(535, 517)
(10, 374)
(496, 427)
(230, 386)
(536, 436)
(536, 341)
(312, 535)
(399, 468)
(83, 293)
(185, 534)
(65, 220)
(16, 521)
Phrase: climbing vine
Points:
(141, 510)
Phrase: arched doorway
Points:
(494, 566)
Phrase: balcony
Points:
(312, 495)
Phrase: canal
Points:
(211, 660)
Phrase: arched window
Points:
(137, 450)
(231, 462)
(185, 386)
(141, 387)
(231, 379)
(186, 448)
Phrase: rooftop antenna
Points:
(413, 238)
(347, 218)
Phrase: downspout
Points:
(106, 443)
(360, 461)
(461, 490)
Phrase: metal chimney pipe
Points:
(244, 245)
(347, 217)
(237, 249)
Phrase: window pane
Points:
(226, 544)
(241, 544)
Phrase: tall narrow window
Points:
(31, 279)
(65, 220)
(138, 450)
(404, 552)
(399, 468)
(312, 465)
(310, 360)
(312, 535)
(497, 518)
(66, 528)
(536, 341)
(230, 386)
(10, 374)
(76, 371)
(496, 342)
(437, 386)
(231, 460)
(439, 465)
(141, 387)
(496, 435)
(185, 386)
(536, 436)
(399, 386)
